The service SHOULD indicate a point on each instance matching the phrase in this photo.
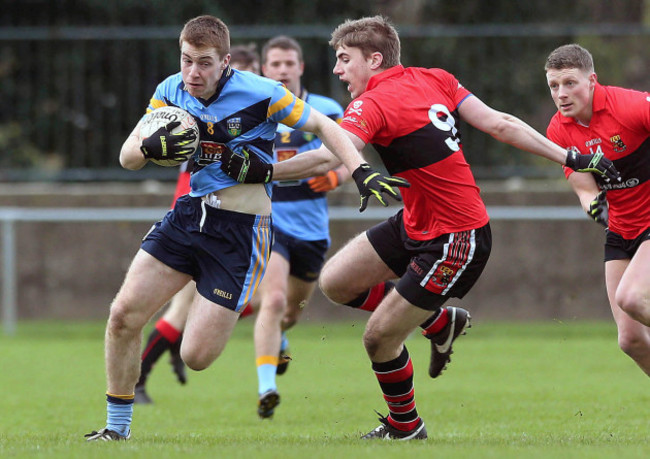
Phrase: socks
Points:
(369, 300)
(396, 381)
(267, 365)
(435, 323)
(162, 337)
(119, 413)
(284, 344)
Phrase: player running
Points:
(220, 234)
(440, 242)
(615, 123)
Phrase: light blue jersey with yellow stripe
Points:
(225, 252)
(245, 111)
(298, 210)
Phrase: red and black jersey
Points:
(410, 116)
(620, 129)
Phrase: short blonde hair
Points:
(370, 35)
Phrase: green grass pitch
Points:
(533, 390)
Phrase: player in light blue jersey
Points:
(220, 234)
(300, 228)
(167, 332)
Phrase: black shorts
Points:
(617, 248)
(306, 258)
(225, 252)
(432, 271)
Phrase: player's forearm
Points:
(585, 187)
(515, 132)
(339, 144)
(336, 140)
(304, 165)
(130, 155)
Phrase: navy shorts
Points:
(225, 252)
(617, 248)
(306, 258)
(432, 271)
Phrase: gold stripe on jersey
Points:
(296, 113)
(155, 103)
(282, 103)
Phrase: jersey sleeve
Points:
(287, 109)
(458, 91)
(161, 93)
(363, 118)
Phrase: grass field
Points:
(543, 390)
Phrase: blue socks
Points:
(284, 344)
(119, 413)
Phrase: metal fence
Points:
(10, 216)
(70, 95)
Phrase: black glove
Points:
(245, 167)
(372, 183)
(596, 163)
(162, 144)
(598, 209)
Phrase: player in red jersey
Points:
(614, 122)
(440, 242)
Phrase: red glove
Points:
(324, 183)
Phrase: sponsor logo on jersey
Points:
(206, 117)
(360, 123)
(284, 154)
(628, 183)
(234, 126)
(618, 144)
(592, 142)
(210, 152)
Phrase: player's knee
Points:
(332, 288)
(196, 359)
(635, 303)
(290, 319)
(122, 320)
(324, 281)
(275, 303)
(371, 341)
(633, 344)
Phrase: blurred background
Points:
(76, 75)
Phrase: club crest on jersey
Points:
(356, 108)
(618, 144)
(234, 126)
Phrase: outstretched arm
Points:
(338, 146)
(336, 140)
(511, 130)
